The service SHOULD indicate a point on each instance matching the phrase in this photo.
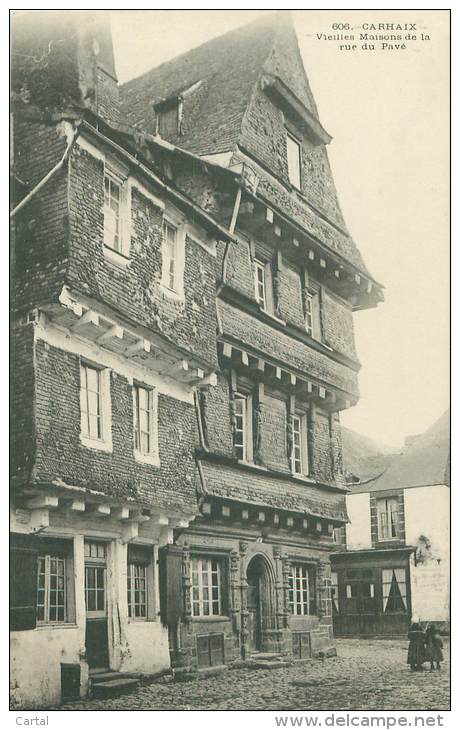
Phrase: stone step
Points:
(267, 664)
(114, 687)
(99, 677)
(262, 656)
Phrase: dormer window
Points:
(169, 116)
(294, 160)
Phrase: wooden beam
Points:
(88, 317)
(77, 505)
(227, 350)
(120, 513)
(141, 345)
(160, 519)
(100, 510)
(43, 501)
(115, 332)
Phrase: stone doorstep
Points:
(112, 684)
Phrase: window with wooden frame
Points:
(313, 313)
(335, 593)
(169, 255)
(55, 593)
(302, 593)
(299, 454)
(263, 285)
(51, 589)
(394, 592)
(95, 406)
(91, 404)
(387, 518)
(206, 586)
(140, 579)
(168, 119)
(116, 212)
(242, 433)
(294, 160)
(96, 579)
(145, 422)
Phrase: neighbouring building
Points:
(183, 288)
(393, 558)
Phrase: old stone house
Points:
(182, 338)
(392, 558)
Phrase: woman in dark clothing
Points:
(416, 651)
(434, 647)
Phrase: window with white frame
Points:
(206, 586)
(302, 594)
(299, 454)
(259, 269)
(170, 253)
(242, 433)
(394, 592)
(91, 402)
(116, 212)
(313, 314)
(51, 589)
(137, 591)
(95, 406)
(294, 159)
(387, 518)
(144, 420)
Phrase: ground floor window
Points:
(206, 586)
(140, 582)
(335, 593)
(302, 594)
(51, 589)
(394, 590)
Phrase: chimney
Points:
(64, 60)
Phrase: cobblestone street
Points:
(366, 675)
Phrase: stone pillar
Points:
(235, 593)
(286, 571)
(323, 599)
(187, 584)
(244, 600)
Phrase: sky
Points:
(388, 113)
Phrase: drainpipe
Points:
(231, 229)
(48, 176)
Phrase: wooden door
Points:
(97, 645)
(253, 597)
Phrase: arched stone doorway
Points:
(260, 603)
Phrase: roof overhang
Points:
(311, 125)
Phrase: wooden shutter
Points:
(23, 582)
(171, 593)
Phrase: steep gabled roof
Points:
(425, 461)
(227, 67)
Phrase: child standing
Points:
(434, 647)
(416, 651)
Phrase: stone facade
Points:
(183, 348)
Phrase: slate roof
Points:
(227, 66)
(268, 490)
(425, 461)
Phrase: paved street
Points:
(367, 675)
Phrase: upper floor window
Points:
(263, 285)
(95, 411)
(242, 433)
(116, 212)
(145, 441)
(168, 119)
(313, 313)
(387, 518)
(206, 586)
(172, 277)
(302, 595)
(299, 454)
(294, 159)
